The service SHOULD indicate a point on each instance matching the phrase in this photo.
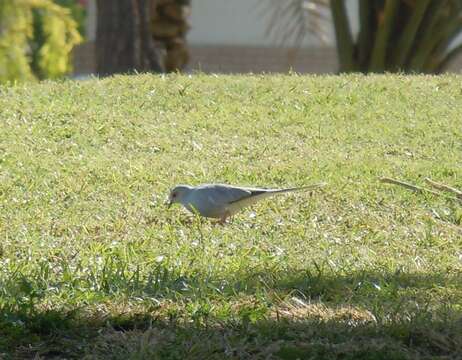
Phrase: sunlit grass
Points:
(93, 264)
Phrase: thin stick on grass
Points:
(417, 188)
(444, 187)
(407, 185)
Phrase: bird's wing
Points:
(225, 194)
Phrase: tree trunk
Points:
(169, 28)
(124, 38)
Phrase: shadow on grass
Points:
(305, 314)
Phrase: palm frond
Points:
(292, 20)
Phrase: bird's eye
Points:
(174, 195)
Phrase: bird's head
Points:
(177, 194)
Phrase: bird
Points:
(221, 201)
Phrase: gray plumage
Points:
(220, 200)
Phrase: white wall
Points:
(232, 22)
(90, 24)
(236, 22)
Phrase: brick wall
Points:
(84, 58)
(243, 59)
(235, 59)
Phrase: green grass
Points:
(93, 265)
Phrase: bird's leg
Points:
(223, 218)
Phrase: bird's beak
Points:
(168, 203)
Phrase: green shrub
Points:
(36, 40)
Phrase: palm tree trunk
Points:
(123, 37)
(345, 45)
(384, 28)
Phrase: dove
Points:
(222, 201)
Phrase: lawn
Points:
(94, 265)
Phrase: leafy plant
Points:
(78, 12)
(36, 39)
(394, 35)
(293, 20)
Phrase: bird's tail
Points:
(259, 194)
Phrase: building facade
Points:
(241, 36)
(235, 37)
